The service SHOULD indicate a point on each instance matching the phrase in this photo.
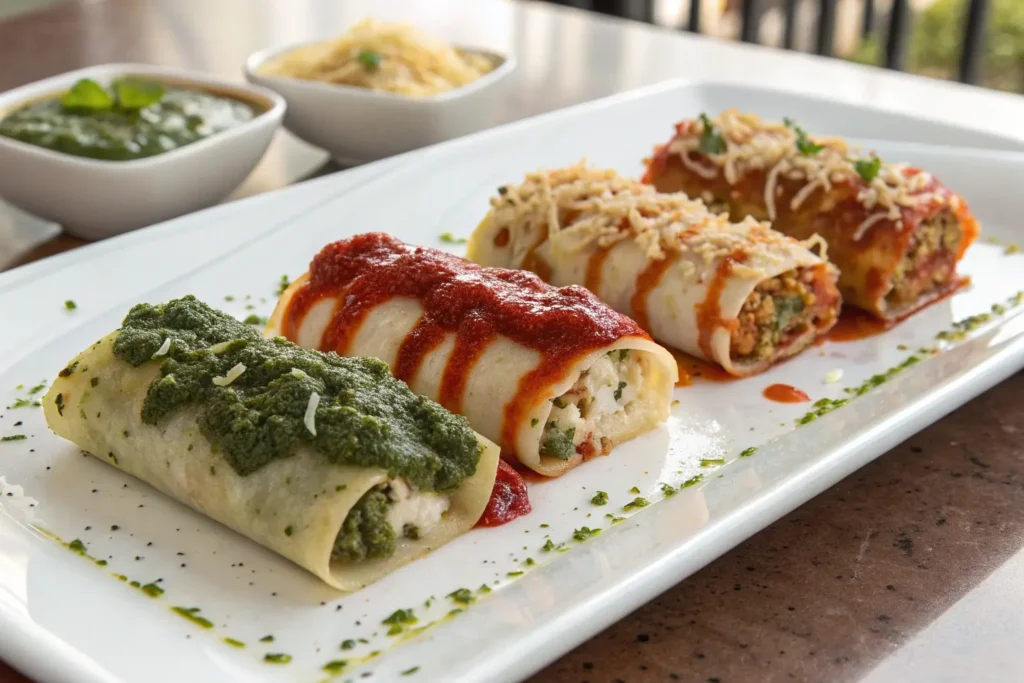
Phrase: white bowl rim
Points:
(257, 59)
(12, 97)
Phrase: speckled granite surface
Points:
(831, 590)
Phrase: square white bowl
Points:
(95, 198)
(356, 125)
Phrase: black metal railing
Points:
(896, 33)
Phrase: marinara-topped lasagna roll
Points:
(553, 375)
(895, 232)
(736, 294)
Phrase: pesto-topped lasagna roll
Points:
(553, 375)
(328, 461)
(736, 294)
(895, 232)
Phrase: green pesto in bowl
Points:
(133, 119)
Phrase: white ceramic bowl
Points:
(94, 199)
(356, 125)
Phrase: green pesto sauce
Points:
(366, 533)
(179, 118)
(365, 417)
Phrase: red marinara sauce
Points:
(783, 393)
(508, 498)
(476, 304)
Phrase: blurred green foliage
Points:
(936, 36)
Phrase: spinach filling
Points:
(787, 308)
(364, 418)
(366, 533)
(557, 443)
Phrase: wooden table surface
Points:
(876, 579)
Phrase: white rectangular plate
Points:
(64, 618)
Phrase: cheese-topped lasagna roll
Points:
(328, 461)
(553, 375)
(895, 232)
(736, 294)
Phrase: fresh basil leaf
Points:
(868, 170)
(710, 141)
(369, 59)
(804, 145)
(135, 93)
(87, 95)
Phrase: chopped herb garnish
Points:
(192, 614)
(634, 490)
(747, 452)
(152, 590)
(462, 596)
(66, 372)
(370, 59)
(277, 658)
(36, 389)
(710, 141)
(401, 616)
(410, 672)
(234, 643)
(267, 639)
(868, 170)
(533, 422)
(615, 520)
(335, 666)
(512, 575)
(484, 589)
(70, 305)
(255, 320)
(548, 546)
(13, 437)
(59, 402)
(692, 481)
(77, 546)
(288, 530)
(529, 562)
(283, 285)
(449, 238)
(600, 498)
(668, 490)
(583, 533)
(636, 504)
(712, 462)
(804, 145)
(94, 382)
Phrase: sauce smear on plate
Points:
(783, 393)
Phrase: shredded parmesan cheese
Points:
(233, 374)
(164, 348)
(222, 347)
(310, 419)
(580, 207)
(756, 145)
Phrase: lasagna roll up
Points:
(895, 232)
(552, 375)
(736, 294)
(328, 461)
